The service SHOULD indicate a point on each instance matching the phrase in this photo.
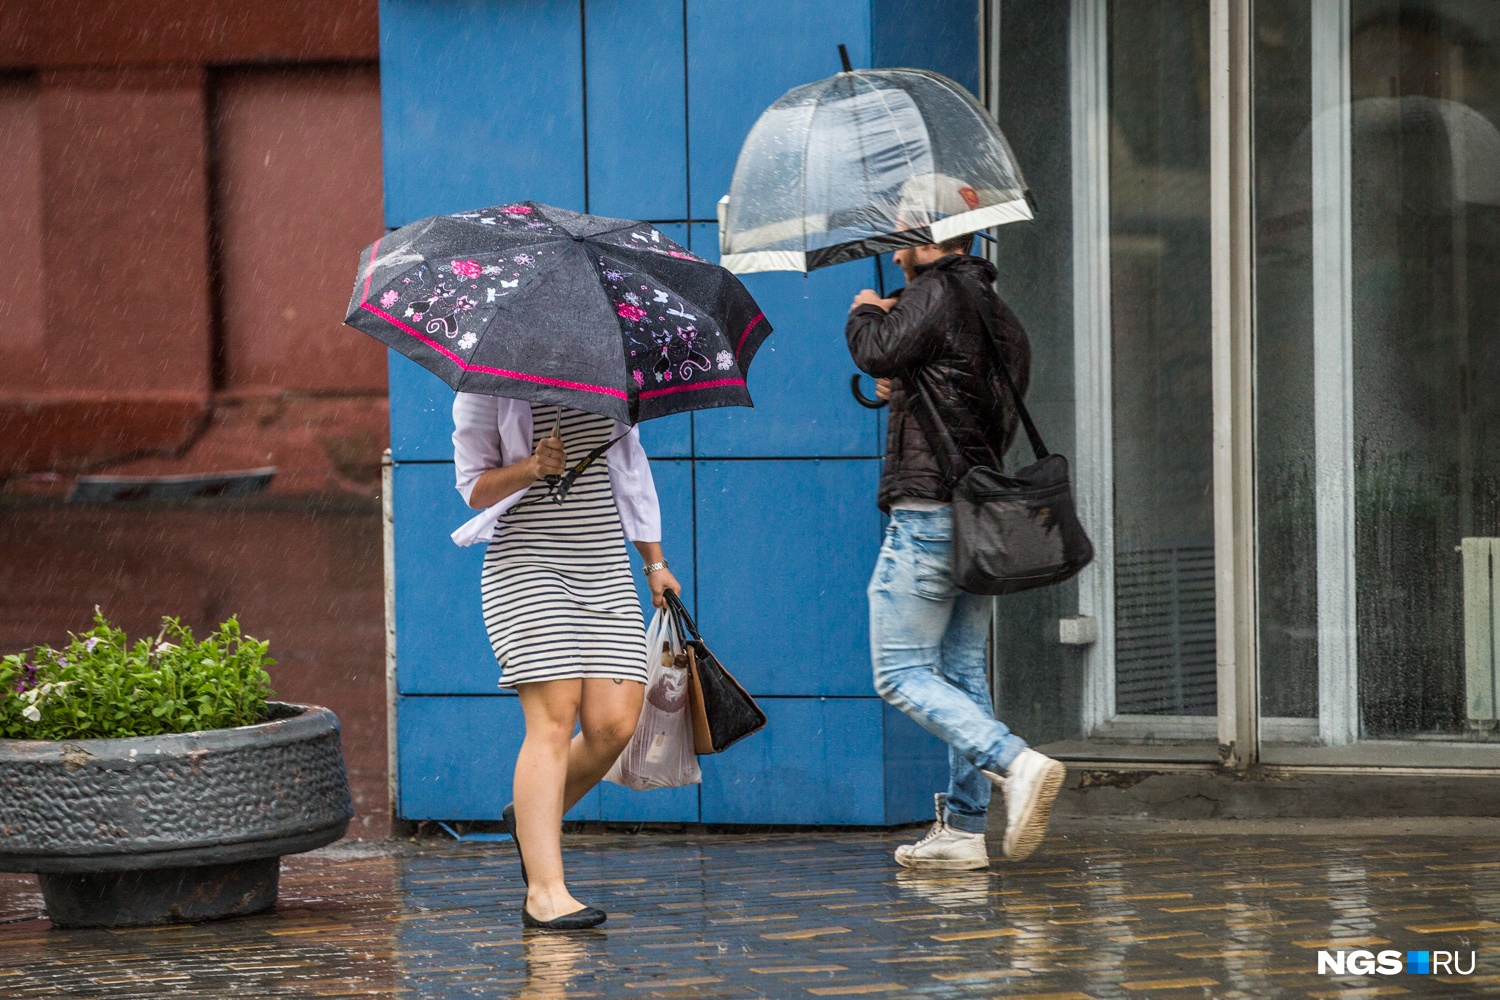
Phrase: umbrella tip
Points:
(844, 58)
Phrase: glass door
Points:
(1144, 387)
(1377, 217)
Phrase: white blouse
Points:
(492, 431)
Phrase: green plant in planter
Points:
(101, 686)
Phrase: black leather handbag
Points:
(723, 713)
(1016, 532)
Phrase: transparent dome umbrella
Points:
(551, 306)
(864, 162)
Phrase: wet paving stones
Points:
(798, 915)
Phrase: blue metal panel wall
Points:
(815, 762)
(637, 117)
(940, 35)
(742, 55)
(800, 378)
(637, 109)
(817, 765)
(421, 412)
(805, 531)
(481, 103)
(441, 647)
(916, 766)
(458, 756)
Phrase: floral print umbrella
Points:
(551, 306)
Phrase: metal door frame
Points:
(1232, 377)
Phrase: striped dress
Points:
(559, 600)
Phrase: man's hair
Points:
(958, 244)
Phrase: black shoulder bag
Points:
(1010, 533)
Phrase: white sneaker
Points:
(944, 848)
(1031, 785)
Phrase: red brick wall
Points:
(131, 32)
(124, 213)
(187, 185)
(290, 226)
(136, 132)
(22, 325)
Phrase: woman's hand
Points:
(660, 582)
(883, 388)
(550, 458)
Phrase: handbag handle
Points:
(680, 616)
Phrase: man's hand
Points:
(550, 457)
(869, 297)
(883, 388)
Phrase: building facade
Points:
(1260, 295)
(1277, 328)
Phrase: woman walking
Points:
(560, 608)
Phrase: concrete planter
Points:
(178, 828)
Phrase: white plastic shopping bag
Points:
(660, 754)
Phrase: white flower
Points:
(467, 341)
(725, 360)
(41, 691)
(32, 712)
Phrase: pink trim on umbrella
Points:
(522, 376)
(748, 327)
(368, 277)
(717, 383)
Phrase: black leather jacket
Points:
(934, 348)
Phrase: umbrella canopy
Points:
(551, 306)
(863, 162)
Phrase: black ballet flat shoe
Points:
(578, 920)
(508, 817)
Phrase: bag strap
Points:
(931, 422)
(1032, 434)
(680, 616)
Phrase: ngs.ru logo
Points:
(1393, 963)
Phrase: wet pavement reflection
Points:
(1098, 916)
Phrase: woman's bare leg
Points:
(607, 715)
(551, 709)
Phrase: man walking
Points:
(938, 365)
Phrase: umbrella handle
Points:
(861, 399)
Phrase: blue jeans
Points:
(927, 641)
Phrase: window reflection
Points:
(1162, 391)
(1425, 258)
(1426, 159)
